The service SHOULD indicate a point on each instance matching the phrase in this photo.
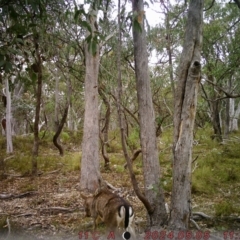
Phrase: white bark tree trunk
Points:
(8, 119)
(90, 166)
(17, 123)
(234, 117)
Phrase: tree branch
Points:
(228, 95)
(238, 3)
(211, 5)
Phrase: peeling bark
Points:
(184, 117)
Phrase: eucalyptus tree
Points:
(151, 168)
(185, 103)
(67, 67)
(7, 64)
(164, 44)
(90, 166)
(41, 21)
(221, 68)
(28, 25)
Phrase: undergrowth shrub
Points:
(133, 139)
(119, 168)
(224, 209)
(204, 181)
(20, 163)
(65, 138)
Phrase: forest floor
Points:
(50, 206)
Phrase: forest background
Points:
(45, 53)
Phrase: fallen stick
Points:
(22, 195)
(25, 215)
(196, 215)
(195, 224)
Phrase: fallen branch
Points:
(109, 185)
(52, 172)
(22, 195)
(5, 159)
(15, 175)
(200, 215)
(25, 215)
(195, 224)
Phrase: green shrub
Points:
(65, 137)
(119, 168)
(204, 181)
(134, 139)
(224, 209)
(20, 163)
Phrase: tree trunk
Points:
(151, 166)
(169, 50)
(56, 107)
(228, 112)
(227, 119)
(38, 108)
(104, 131)
(9, 119)
(184, 117)
(59, 130)
(58, 125)
(70, 122)
(90, 166)
(19, 121)
(234, 125)
(122, 120)
(216, 121)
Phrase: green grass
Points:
(216, 172)
(21, 163)
(224, 208)
(203, 181)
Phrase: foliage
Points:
(224, 209)
(133, 139)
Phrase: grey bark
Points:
(216, 120)
(105, 129)
(8, 119)
(56, 107)
(38, 107)
(234, 123)
(151, 167)
(188, 80)
(90, 166)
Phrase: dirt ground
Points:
(49, 206)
